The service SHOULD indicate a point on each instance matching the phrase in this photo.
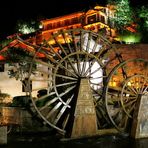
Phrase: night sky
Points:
(13, 10)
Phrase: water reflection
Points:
(40, 141)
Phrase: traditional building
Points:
(98, 19)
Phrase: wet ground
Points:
(46, 141)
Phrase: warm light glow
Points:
(129, 39)
(129, 84)
(40, 26)
(63, 18)
(101, 25)
(131, 29)
(61, 28)
(98, 7)
(113, 84)
(1, 58)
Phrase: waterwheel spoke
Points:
(84, 65)
(98, 69)
(48, 104)
(67, 70)
(66, 91)
(65, 121)
(60, 45)
(73, 67)
(146, 90)
(130, 90)
(53, 110)
(77, 55)
(96, 46)
(128, 107)
(67, 41)
(49, 56)
(65, 84)
(45, 96)
(87, 50)
(61, 112)
(143, 88)
(89, 68)
(81, 40)
(68, 59)
(65, 77)
(54, 51)
(45, 64)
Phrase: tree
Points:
(19, 61)
(123, 13)
(142, 14)
(27, 27)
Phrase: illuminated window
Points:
(49, 26)
(75, 20)
(102, 19)
(91, 19)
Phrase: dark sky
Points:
(13, 10)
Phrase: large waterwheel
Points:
(73, 65)
(73, 68)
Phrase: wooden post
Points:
(140, 119)
(85, 123)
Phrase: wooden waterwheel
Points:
(127, 82)
(73, 73)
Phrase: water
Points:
(45, 141)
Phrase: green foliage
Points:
(4, 43)
(131, 38)
(27, 27)
(123, 14)
(143, 15)
(142, 21)
(18, 55)
(143, 12)
(20, 60)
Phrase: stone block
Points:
(3, 135)
(140, 119)
(85, 122)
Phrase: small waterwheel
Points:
(126, 83)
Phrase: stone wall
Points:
(20, 120)
(130, 51)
